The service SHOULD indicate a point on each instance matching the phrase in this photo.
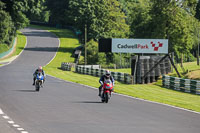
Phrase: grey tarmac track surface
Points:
(64, 107)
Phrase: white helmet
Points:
(40, 68)
(107, 73)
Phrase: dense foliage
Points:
(176, 20)
(103, 18)
(6, 26)
(16, 14)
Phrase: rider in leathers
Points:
(103, 78)
(36, 72)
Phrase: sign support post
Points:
(139, 47)
(167, 55)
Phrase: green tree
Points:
(174, 18)
(116, 20)
(16, 9)
(139, 18)
(104, 18)
(12, 18)
(6, 26)
(197, 15)
(93, 56)
(92, 52)
(59, 12)
(167, 19)
(37, 11)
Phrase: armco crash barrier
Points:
(122, 77)
(66, 66)
(186, 85)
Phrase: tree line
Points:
(176, 20)
(16, 14)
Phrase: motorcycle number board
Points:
(140, 45)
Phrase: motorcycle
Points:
(107, 89)
(39, 81)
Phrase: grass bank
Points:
(150, 92)
(190, 70)
(20, 44)
(4, 48)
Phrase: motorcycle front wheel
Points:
(107, 97)
(37, 86)
(102, 98)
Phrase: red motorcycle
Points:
(107, 89)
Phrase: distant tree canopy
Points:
(11, 19)
(37, 11)
(6, 26)
(176, 20)
(166, 19)
(103, 18)
(15, 14)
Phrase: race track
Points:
(64, 107)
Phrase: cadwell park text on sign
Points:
(140, 46)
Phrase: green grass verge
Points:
(125, 70)
(150, 92)
(21, 42)
(4, 48)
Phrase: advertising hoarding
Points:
(140, 46)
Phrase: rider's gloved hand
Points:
(101, 82)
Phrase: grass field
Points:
(152, 92)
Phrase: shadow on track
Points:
(25, 90)
(49, 49)
(38, 34)
(88, 102)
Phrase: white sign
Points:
(140, 46)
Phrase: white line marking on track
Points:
(11, 122)
(1, 112)
(20, 129)
(24, 132)
(5, 117)
(15, 125)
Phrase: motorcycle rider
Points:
(38, 70)
(107, 75)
